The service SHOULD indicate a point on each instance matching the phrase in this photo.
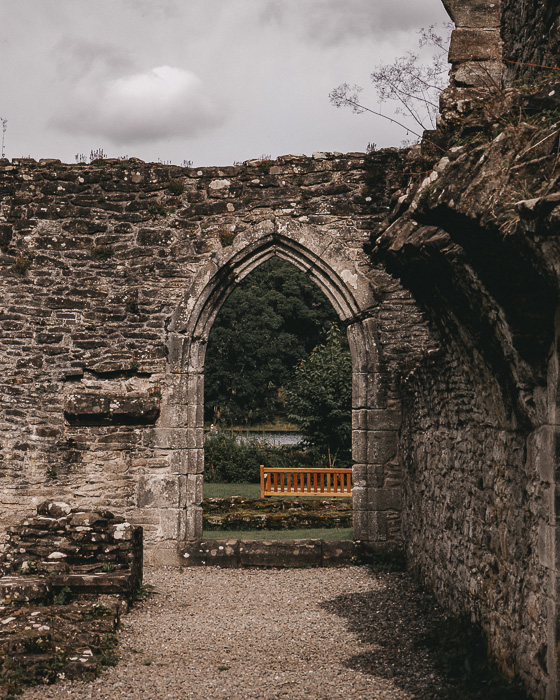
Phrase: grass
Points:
(310, 534)
(217, 490)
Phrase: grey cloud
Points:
(331, 22)
(165, 9)
(76, 58)
(159, 103)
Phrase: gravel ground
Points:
(283, 633)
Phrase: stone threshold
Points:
(278, 553)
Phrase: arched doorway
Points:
(341, 274)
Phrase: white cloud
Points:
(156, 104)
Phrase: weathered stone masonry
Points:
(112, 276)
(477, 244)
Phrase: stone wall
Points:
(471, 501)
(478, 247)
(111, 276)
(531, 35)
(88, 551)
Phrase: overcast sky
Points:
(212, 81)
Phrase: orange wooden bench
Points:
(306, 482)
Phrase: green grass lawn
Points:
(226, 490)
(212, 490)
(311, 534)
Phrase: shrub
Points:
(101, 252)
(226, 238)
(22, 264)
(230, 461)
(176, 187)
(157, 209)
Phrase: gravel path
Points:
(290, 633)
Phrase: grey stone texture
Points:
(112, 276)
(235, 554)
(113, 273)
(478, 442)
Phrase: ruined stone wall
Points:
(102, 267)
(531, 35)
(478, 247)
(472, 497)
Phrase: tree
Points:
(320, 398)
(411, 84)
(271, 321)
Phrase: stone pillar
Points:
(475, 52)
(377, 492)
(176, 496)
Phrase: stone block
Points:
(111, 409)
(359, 477)
(194, 493)
(81, 407)
(547, 545)
(195, 415)
(359, 498)
(359, 390)
(162, 554)
(337, 552)
(172, 524)
(222, 553)
(359, 446)
(295, 553)
(195, 360)
(135, 409)
(360, 524)
(478, 74)
(371, 352)
(173, 416)
(380, 499)
(187, 461)
(176, 389)
(474, 13)
(113, 582)
(368, 390)
(177, 347)
(16, 589)
(475, 45)
(376, 527)
(193, 523)
(359, 419)
(161, 491)
(175, 438)
(384, 419)
(54, 509)
(195, 388)
(381, 446)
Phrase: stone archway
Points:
(340, 272)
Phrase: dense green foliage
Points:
(320, 399)
(228, 460)
(270, 322)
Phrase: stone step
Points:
(23, 589)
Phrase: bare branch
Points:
(412, 84)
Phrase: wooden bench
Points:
(306, 482)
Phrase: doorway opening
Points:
(278, 377)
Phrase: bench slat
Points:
(311, 482)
